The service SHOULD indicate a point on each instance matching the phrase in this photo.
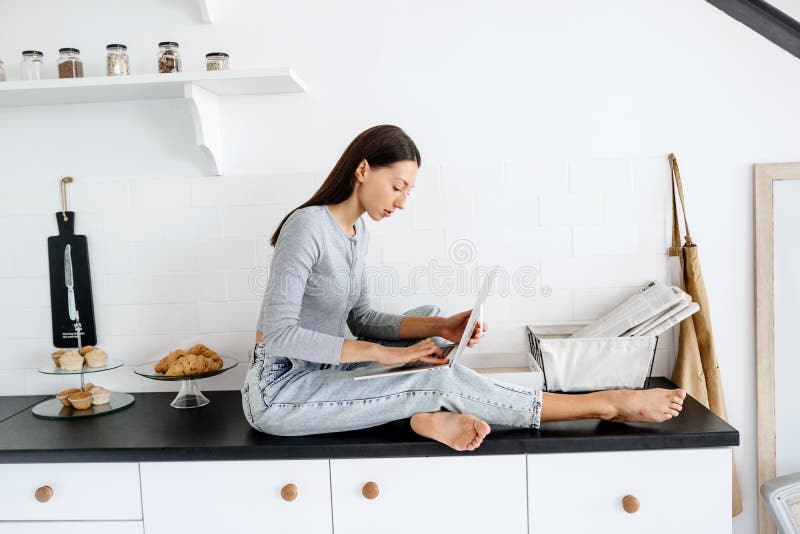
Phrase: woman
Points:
(300, 379)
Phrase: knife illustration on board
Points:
(68, 280)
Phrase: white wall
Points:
(585, 92)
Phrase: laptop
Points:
(448, 350)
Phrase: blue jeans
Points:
(292, 397)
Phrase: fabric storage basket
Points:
(590, 364)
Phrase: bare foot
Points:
(462, 432)
(645, 406)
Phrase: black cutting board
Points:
(64, 335)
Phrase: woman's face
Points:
(385, 189)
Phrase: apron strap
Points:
(677, 185)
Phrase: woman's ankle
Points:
(604, 405)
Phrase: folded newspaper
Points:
(651, 311)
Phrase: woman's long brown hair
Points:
(381, 146)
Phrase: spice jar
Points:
(2, 72)
(169, 59)
(69, 63)
(117, 60)
(217, 61)
(31, 66)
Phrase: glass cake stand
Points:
(53, 409)
(190, 395)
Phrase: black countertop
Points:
(151, 430)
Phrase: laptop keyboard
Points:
(447, 350)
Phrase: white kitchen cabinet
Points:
(72, 527)
(444, 494)
(677, 490)
(236, 496)
(87, 491)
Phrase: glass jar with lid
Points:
(117, 60)
(169, 59)
(69, 63)
(218, 61)
(2, 72)
(31, 66)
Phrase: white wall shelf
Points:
(202, 91)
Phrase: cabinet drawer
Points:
(448, 494)
(72, 527)
(679, 490)
(236, 496)
(79, 491)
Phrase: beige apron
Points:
(696, 369)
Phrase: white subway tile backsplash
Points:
(634, 270)
(429, 181)
(494, 211)
(605, 239)
(570, 208)
(134, 225)
(400, 305)
(24, 322)
(226, 255)
(195, 223)
(217, 191)
(264, 251)
(29, 291)
(619, 207)
(601, 175)
(240, 344)
(160, 194)
(219, 343)
(652, 238)
(479, 177)
(19, 229)
(550, 241)
(577, 272)
(455, 210)
(486, 244)
(161, 288)
(555, 305)
(110, 258)
(148, 319)
(89, 224)
(22, 353)
(252, 221)
(419, 245)
(651, 189)
(182, 261)
(246, 285)
(12, 381)
(20, 198)
(165, 256)
(531, 178)
(292, 188)
(224, 317)
(91, 197)
(29, 259)
(135, 350)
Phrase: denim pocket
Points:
(274, 369)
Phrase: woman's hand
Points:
(454, 327)
(425, 351)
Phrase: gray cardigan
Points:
(316, 284)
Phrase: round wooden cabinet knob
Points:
(370, 490)
(44, 494)
(630, 504)
(289, 492)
